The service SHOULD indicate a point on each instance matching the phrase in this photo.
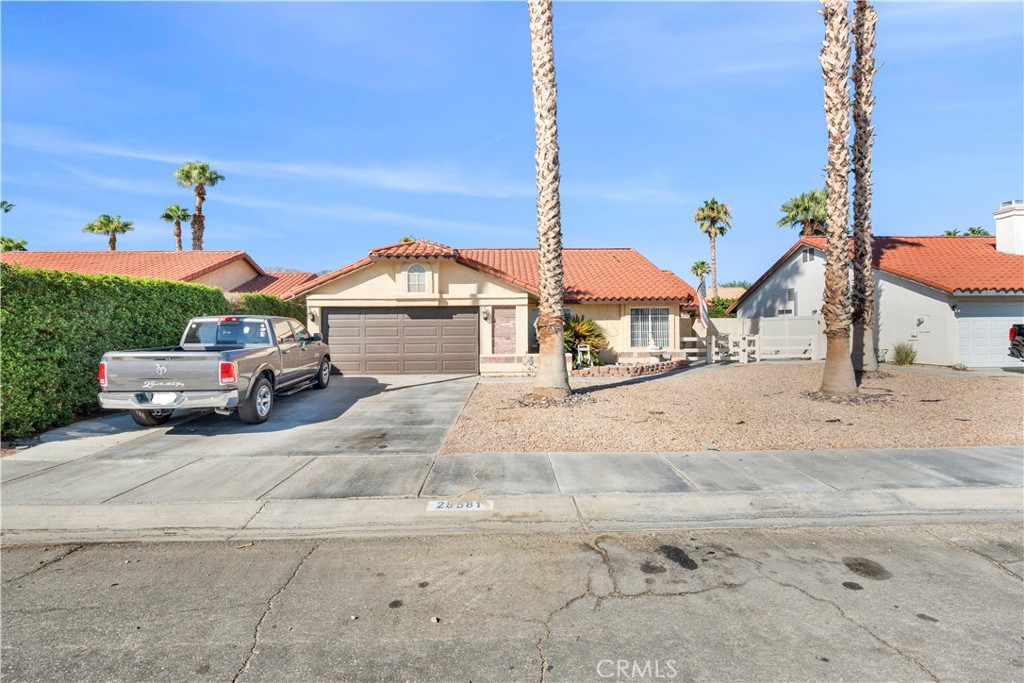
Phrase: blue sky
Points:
(343, 126)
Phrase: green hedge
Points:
(264, 304)
(56, 325)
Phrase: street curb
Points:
(594, 513)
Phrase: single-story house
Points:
(232, 271)
(423, 307)
(953, 298)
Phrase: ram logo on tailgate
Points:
(161, 369)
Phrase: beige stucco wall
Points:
(230, 276)
(614, 319)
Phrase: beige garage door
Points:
(368, 341)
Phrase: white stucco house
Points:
(953, 298)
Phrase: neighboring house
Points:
(728, 292)
(426, 307)
(232, 271)
(953, 298)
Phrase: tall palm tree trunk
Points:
(112, 242)
(838, 378)
(714, 266)
(864, 20)
(552, 379)
(177, 235)
(198, 221)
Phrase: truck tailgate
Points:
(159, 371)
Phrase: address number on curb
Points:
(461, 506)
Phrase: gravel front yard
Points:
(752, 407)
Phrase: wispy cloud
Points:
(419, 178)
(364, 214)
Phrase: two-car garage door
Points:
(403, 340)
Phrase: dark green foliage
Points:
(265, 304)
(717, 307)
(11, 244)
(579, 330)
(56, 325)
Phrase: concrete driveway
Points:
(386, 429)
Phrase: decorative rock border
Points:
(636, 370)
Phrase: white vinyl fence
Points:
(755, 339)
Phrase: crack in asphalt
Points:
(46, 564)
(253, 651)
(980, 554)
(844, 615)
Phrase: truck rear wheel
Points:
(150, 418)
(260, 403)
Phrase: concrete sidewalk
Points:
(217, 497)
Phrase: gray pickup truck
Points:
(228, 363)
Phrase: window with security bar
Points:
(648, 327)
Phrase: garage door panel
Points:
(419, 340)
(382, 367)
(420, 349)
(422, 330)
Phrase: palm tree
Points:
(6, 206)
(700, 269)
(112, 226)
(198, 175)
(176, 214)
(864, 19)
(806, 210)
(12, 244)
(552, 379)
(955, 232)
(838, 378)
(713, 219)
(978, 231)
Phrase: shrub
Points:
(265, 304)
(579, 330)
(904, 353)
(717, 307)
(56, 325)
(960, 367)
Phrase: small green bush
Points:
(904, 353)
(265, 304)
(56, 325)
(579, 330)
(718, 307)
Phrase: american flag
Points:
(702, 301)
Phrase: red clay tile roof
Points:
(162, 265)
(413, 250)
(590, 275)
(955, 265)
(949, 264)
(276, 284)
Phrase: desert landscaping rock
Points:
(689, 410)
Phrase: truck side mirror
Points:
(317, 337)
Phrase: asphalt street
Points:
(854, 603)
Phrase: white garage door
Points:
(983, 333)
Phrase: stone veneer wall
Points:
(503, 329)
(636, 370)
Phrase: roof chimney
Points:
(1010, 227)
